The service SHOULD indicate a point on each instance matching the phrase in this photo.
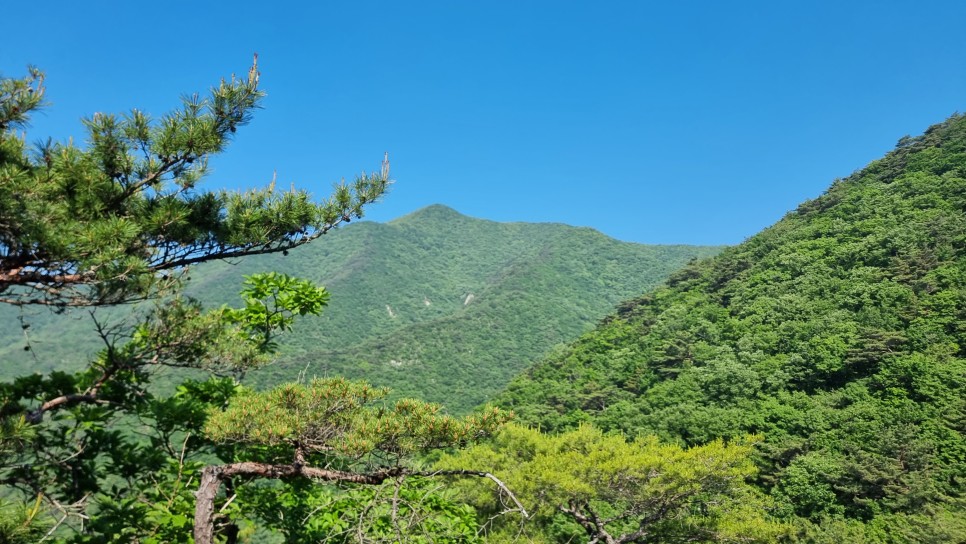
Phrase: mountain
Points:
(435, 304)
(838, 334)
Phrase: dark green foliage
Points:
(128, 485)
(838, 334)
(115, 220)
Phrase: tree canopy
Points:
(588, 486)
(837, 334)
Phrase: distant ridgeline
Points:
(436, 305)
(839, 334)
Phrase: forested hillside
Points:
(436, 305)
(839, 334)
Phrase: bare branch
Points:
(480, 474)
(37, 415)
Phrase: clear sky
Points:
(656, 122)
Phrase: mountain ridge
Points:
(429, 277)
(838, 334)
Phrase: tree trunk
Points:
(213, 475)
(205, 505)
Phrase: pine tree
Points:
(588, 486)
(120, 220)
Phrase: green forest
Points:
(837, 335)
(434, 305)
(178, 366)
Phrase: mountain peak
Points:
(433, 212)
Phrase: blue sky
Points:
(656, 122)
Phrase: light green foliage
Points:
(336, 415)
(587, 484)
(180, 333)
(21, 523)
(417, 510)
(318, 413)
(837, 334)
(272, 301)
(335, 430)
(14, 433)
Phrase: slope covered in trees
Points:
(838, 334)
(435, 305)
(102, 454)
(95, 456)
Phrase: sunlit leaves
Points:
(335, 414)
(272, 301)
(610, 485)
(22, 523)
